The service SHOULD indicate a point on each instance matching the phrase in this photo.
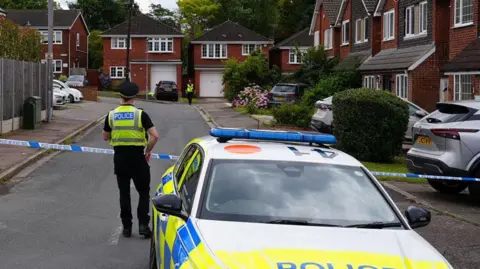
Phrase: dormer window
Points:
(416, 20)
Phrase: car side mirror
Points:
(420, 114)
(169, 204)
(417, 217)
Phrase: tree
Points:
(163, 14)
(103, 14)
(24, 4)
(195, 15)
(19, 44)
(95, 49)
(295, 15)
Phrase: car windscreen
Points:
(262, 191)
(75, 78)
(283, 88)
(168, 84)
(446, 113)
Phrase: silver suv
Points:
(447, 142)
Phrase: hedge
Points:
(293, 115)
(369, 124)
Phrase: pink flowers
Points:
(251, 95)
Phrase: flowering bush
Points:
(252, 95)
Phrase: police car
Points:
(285, 200)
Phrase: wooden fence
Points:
(19, 80)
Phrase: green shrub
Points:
(369, 124)
(330, 85)
(293, 115)
(62, 78)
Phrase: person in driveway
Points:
(126, 127)
(190, 92)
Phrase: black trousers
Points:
(135, 167)
(190, 97)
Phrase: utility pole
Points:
(127, 67)
(49, 62)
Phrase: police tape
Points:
(75, 148)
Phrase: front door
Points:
(387, 83)
(443, 89)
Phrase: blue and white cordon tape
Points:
(75, 148)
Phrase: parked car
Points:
(166, 90)
(447, 142)
(323, 117)
(77, 81)
(58, 98)
(74, 95)
(286, 92)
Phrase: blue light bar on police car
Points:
(232, 133)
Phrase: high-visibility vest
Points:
(127, 128)
(190, 88)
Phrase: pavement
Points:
(64, 213)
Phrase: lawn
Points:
(243, 110)
(398, 166)
(108, 94)
(185, 100)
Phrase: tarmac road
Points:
(65, 215)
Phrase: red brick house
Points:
(70, 36)
(155, 52)
(323, 26)
(284, 54)
(212, 49)
(463, 68)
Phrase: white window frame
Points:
(316, 38)
(247, 48)
(460, 85)
(401, 86)
(160, 45)
(423, 10)
(365, 29)
(209, 51)
(293, 53)
(114, 43)
(369, 82)
(346, 32)
(358, 31)
(57, 37)
(461, 22)
(78, 39)
(327, 39)
(409, 20)
(388, 29)
(57, 64)
(114, 75)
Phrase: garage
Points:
(162, 72)
(211, 84)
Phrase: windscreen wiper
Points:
(301, 222)
(375, 225)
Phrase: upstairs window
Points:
(247, 49)
(416, 20)
(389, 25)
(119, 43)
(214, 51)
(362, 32)
(57, 37)
(160, 44)
(463, 12)
(345, 32)
(327, 38)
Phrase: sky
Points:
(144, 4)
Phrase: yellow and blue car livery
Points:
(202, 243)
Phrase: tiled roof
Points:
(142, 25)
(231, 31)
(396, 59)
(467, 60)
(353, 60)
(39, 18)
(302, 39)
(332, 8)
(370, 5)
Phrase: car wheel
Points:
(153, 254)
(447, 186)
(474, 187)
(71, 99)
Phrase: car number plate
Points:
(168, 89)
(427, 141)
(279, 98)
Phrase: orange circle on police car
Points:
(242, 149)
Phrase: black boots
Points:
(127, 231)
(144, 230)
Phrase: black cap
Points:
(128, 90)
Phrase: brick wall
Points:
(424, 84)
(345, 49)
(89, 93)
(416, 41)
(58, 51)
(78, 55)
(233, 51)
(389, 4)
(461, 37)
(285, 65)
(324, 25)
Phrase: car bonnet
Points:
(223, 244)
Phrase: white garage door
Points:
(211, 84)
(162, 72)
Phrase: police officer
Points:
(129, 131)
(190, 92)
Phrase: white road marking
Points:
(115, 236)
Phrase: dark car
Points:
(286, 93)
(166, 90)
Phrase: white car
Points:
(59, 98)
(267, 199)
(74, 95)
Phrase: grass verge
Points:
(398, 166)
(108, 94)
(185, 100)
(244, 110)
